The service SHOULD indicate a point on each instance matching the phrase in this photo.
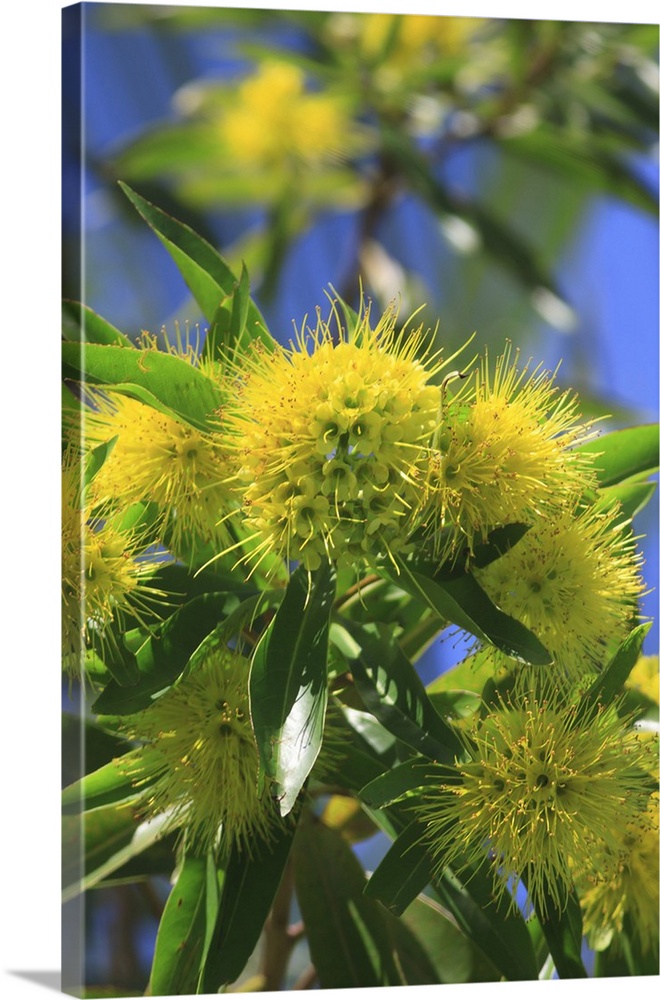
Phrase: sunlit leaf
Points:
(609, 684)
(624, 453)
(288, 683)
(82, 324)
(171, 381)
(208, 276)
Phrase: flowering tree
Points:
(262, 537)
(258, 543)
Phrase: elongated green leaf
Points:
(100, 746)
(157, 860)
(391, 689)
(288, 683)
(624, 453)
(208, 276)
(390, 785)
(179, 950)
(499, 541)
(228, 331)
(163, 656)
(463, 602)
(248, 890)
(503, 937)
(404, 872)
(95, 459)
(562, 930)
(632, 496)
(610, 682)
(353, 940)
(82, 324)
(99, 842)
(455, 705)
(107, 785)
(455, 957)
(184, 390)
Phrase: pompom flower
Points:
(105, 570)
(333, 439)
(540, 793)
(507, 453)
(627, 897)
(200, 759)
(273, 120)
(574, 580)
(160, 459)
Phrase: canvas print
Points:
(359, 514)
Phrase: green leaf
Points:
(632, 496)
(105, 786)
(353, 940)
(228, 330)
(95, 459)
(499, 541)
(97, 843)
(455, 705)
(624, 453)
(288, 683)
(404, 872)
(391, 689)
(455, 957)
(463, 602)
(610, 682)
(82, 324)
(562, 930)
(163, 656)
(183, 390)
(248, 890)
(391, 785)
(99, 745)
(179, 950)
(502, 936)
(208, 276)
(157, 860)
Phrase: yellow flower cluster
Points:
(333, 441)
(574, 580)
(157, 458)
(274, 121)
(105, 570)
(200, 762)
(627, 894)
(541, 790)
(507, 454)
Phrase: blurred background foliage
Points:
(502, 174)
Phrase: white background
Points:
(29, 471)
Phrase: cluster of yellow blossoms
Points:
(359, 447)
(275, 121)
